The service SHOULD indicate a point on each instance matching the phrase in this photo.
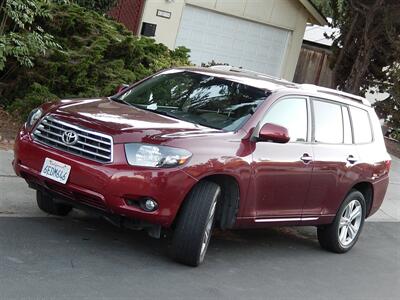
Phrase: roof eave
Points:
(316, 16)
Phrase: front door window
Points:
(292, 114)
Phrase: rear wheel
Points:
(47, 204)
(343, 233)
(195, 223)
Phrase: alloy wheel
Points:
(350, 223)
(207, 231)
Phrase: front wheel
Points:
(343, 233)
(195, 222)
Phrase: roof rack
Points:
(245, 71)
(316, 88)
(249, 72)
(277, 80)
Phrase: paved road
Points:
(84, 257)
(71, 258)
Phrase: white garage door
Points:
(238, 42)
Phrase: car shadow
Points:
(96, 234)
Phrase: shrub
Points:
(97, 55)
(35, 96)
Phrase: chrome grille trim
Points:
(91, 145)
(44, 121)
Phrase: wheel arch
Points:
(228, 204)
(366, 188)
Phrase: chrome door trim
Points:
(268, 220)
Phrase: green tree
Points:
(324, 6)
(97, 55)
(21, 36)
(389, 109)
(366, 46)
(100, 6)
(366, 53)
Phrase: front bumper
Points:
(105, 187)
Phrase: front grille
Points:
(89, 144)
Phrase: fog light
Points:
(149, 205)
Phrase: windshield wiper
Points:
(206, 125)
(164, 113)
(161, 112)
(116, 99)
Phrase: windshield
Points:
(197, 98)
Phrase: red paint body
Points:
(273, 181)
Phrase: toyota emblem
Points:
(69, 137)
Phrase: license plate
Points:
(55, 170)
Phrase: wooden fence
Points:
(313, 65)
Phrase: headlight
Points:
(147, 155)
(33, 117)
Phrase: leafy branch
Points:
(21, 36)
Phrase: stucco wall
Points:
(287, 14)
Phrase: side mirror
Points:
(121, 88)
(273, 133)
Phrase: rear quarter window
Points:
(361, 125)
(328, 122)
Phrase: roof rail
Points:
(316, 88)
(245, 71)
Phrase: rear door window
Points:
(361, 125)
(328, 122)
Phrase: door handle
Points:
(306, 158)
(351, 159)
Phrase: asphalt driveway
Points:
(73, 258)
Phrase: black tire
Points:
(46, 204)
(328, 235)
(190, 231)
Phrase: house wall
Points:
(287, 14)
(128, 12)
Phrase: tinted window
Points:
(292, 114)
(361, 125)
(328, 122)
(347, 126)
(197, 98)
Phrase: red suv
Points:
(192, 148)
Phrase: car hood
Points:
(125, 123)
